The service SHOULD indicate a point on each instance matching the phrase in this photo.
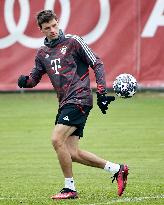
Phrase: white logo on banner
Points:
(156, 19)
(16, 31)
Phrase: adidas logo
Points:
(66, 118)
(104, 103)
(47, 55)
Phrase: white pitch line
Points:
(112, 201)
(128, 199)
(22, 198)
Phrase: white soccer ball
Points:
(125, 85)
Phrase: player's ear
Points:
(40, 29)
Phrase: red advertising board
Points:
(126, 34)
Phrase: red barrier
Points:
(126, 34)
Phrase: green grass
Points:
(131, 132)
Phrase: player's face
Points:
(51, 29)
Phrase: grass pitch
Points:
(132, 131)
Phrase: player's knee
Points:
(74, 156)
(56, 142)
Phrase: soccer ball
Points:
(125, 85)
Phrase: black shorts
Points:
(73, 115)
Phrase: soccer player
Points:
(66, 60)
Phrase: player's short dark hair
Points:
(45, 16)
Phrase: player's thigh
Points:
(62, 132)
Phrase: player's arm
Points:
(96, 64)
(34, 77)
(102, 100)
(92, 60)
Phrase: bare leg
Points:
(81, 156)
(59, 138)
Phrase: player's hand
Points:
(22, 81)
(103, 102)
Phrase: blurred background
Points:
(127, 34)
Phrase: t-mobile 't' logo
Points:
(56, 65)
